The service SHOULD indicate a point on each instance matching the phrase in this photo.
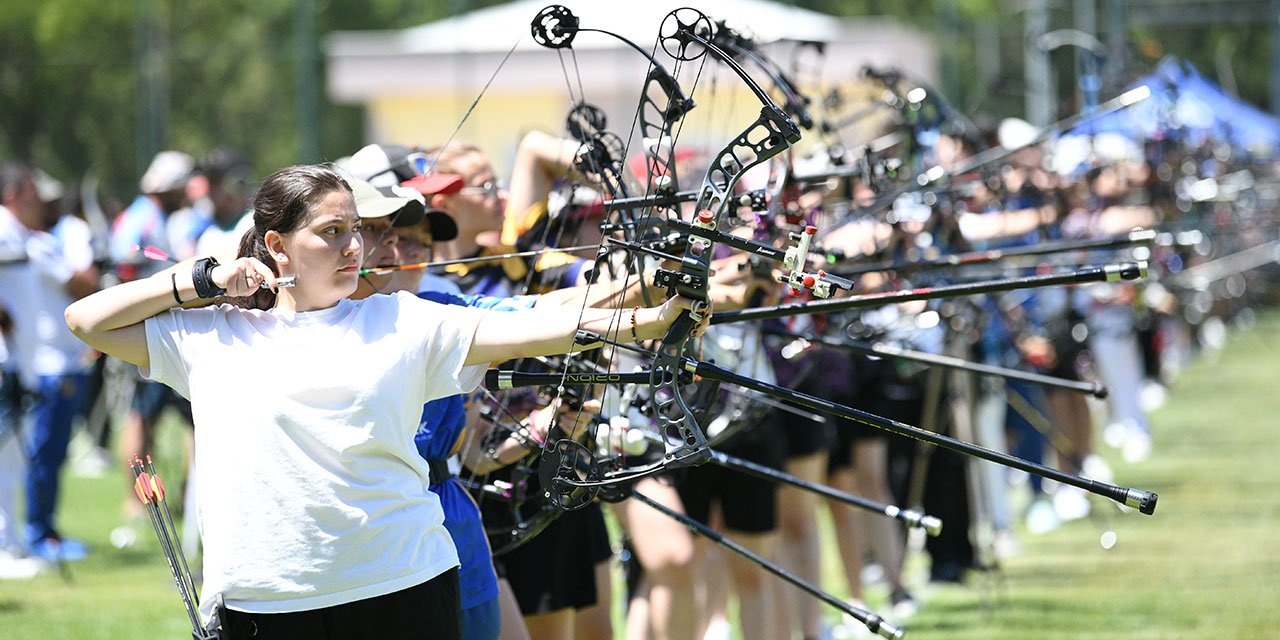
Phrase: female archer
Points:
(314, 510)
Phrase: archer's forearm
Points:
(130, 303)
(544, 332)
(603, 294)
(111, 320)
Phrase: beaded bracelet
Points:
(634, 311)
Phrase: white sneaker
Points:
(903, 606)
(96, 462)
(1115, 434)
(1004, 545)
(14, 567)
(872, 573)
(1152, 396)
(1137, 448)
(849, 628)
(1095, 468)
(718, 629)
(124, 536)
(1070, 503)
(1041, 517)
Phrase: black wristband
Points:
(173, 277)
(202, 277)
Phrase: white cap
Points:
(1016, 132)
(169, 171)
(48, 188)
(381, 165)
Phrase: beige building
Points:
(418, 82)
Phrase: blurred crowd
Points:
(445, 226)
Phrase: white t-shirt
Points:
(34, 293)
(311, 491)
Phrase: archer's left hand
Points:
(667, 315)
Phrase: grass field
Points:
(1205, 565)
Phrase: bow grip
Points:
(680, 330)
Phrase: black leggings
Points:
(429, 610)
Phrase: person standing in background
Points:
(52, 266)
(145, 223)
(230, 180)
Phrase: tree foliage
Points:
(1234, 55)
(74, 88)
(98, 86)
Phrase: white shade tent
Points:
(418, 82)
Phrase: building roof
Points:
(456, 54)
(497, 28)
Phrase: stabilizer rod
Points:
(1105, 273)
(1144, 501)
(1096, 389)
(909, 517)
(1136, 237)
(874, 622)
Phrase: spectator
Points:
(145, 223)
(230, 181)
(50, 363)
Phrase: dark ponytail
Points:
(252, 245)
(283, 204)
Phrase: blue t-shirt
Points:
(140, 225)
(441, 428)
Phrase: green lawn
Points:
(1205, 565)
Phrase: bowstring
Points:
(615, 322)
(501, 404)
(465, 116)
(613, 349)
(614, 326)
(677, 69)
(468, 433)
(432, 164)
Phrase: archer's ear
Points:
(275, 246)
(439, 201)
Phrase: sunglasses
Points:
(489, 189)
(417, 161)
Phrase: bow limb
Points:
(662, 104)
(662, 101)
(740, 46)
(564, 465)
(600, 160)
(770, 134)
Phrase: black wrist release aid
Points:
(202, 277)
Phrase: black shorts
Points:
(150, 398)
(748, 503)
(841, 378)
(847, 434)
(865, 393)
(1067, 349)
(802, 437)
(556, 569)
(429, 610)
(1066, 364)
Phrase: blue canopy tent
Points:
(1186, 105)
